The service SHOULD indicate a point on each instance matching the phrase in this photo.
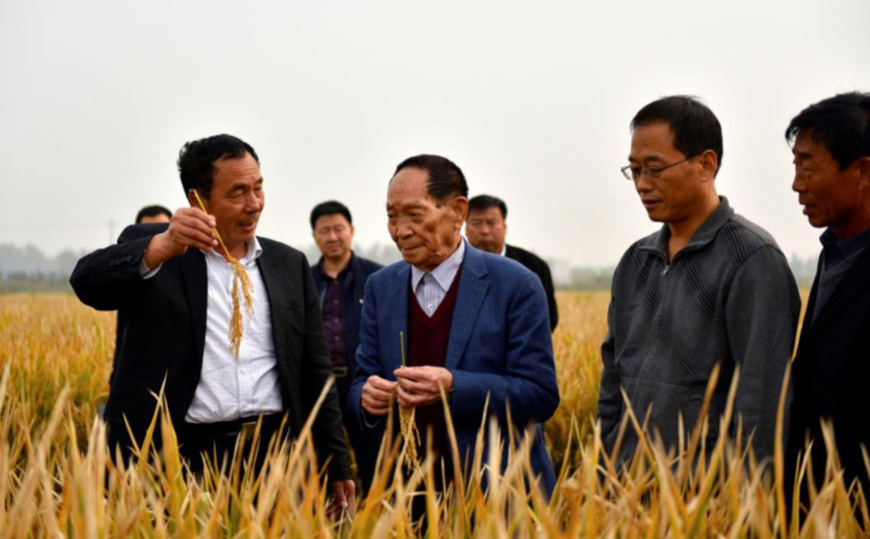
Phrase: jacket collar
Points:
(704, 235)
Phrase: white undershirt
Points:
(231, 388)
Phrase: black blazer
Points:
(164, 334)
(542, 270)
(831, 372)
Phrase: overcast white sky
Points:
(531, 99)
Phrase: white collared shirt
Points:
(430, 287)
(231, 388)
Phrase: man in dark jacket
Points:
(710, 287)
(174, 282)
(340, 277)
(486, 229)
(831, 147)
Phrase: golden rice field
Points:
(56, 478)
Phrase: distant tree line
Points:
(28, 269)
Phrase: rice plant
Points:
(57, 477)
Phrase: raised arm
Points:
(104, 278)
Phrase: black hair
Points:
(330, 207)
(840, 123)
(446, 180)
(152, 211)
(196, 160)
(695, 127)
(485, 202)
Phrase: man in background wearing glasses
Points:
(710, 287)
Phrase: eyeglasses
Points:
(634, 173)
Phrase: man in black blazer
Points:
(173, 285)
(831, 147)
(486, 229)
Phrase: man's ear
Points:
(191, 198)
(459, 205)
(710, 163)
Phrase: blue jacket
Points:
(500, 348)
(360, 269)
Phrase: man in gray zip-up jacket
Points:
(710, 287)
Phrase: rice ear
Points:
(240, 280)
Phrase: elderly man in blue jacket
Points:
(475, 324)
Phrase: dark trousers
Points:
(215, 444)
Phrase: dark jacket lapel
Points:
(270, 270)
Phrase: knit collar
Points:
(704, 235)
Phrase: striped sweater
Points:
(728, 297)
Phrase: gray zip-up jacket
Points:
(728, 297)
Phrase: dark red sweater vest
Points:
(427, 345)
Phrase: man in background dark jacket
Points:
(486, 230)
(831, 146)
(340, 278)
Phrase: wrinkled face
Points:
(676, 194)
(486, 229)
(236, 201)
(333, 235)
(830, 196)
(425, 230)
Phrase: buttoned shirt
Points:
(231, 388)
(836, 250)
(332, 304)
(837, 258)
(430, 287)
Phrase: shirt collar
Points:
(503, 249)
(836, 250)
(253, 253)
(341, 275)
(444, 273)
